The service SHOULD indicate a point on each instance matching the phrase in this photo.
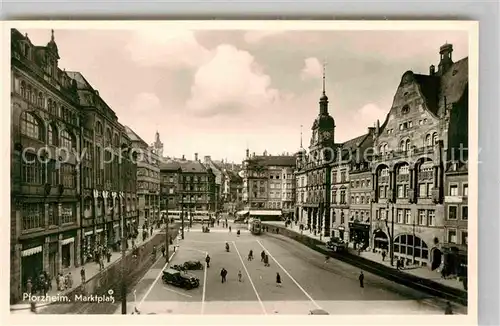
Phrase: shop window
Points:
(452, 236)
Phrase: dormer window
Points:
(405, 109)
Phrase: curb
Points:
(27, 306)
(412, 281)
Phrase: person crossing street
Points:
(250, 255)
(207, 260)
(223, 274)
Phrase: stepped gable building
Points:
(268, 181)
(148, 180)
(425, 129)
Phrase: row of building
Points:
(78, 175)
(404, 181)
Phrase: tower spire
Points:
(300, 136)
(52, 35)
(324, 76)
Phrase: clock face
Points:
(326, 135)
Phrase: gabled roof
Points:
(169, 165)
(192, 167)
(429, 86)
(274, 160)
(133, 136)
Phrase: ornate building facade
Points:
(423, 130)
(62, 206)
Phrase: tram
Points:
(255, 225)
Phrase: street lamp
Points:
(167, 243)
(182, 216)
(123, 238)
(391, 233)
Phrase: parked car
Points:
(318, 312)
(336, 244)
(180, 279)
(193, 265)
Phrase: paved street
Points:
(307, 282)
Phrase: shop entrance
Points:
(31, 267)
(380, 240)
(66, 255)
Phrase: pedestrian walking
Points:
(278, 279)
(223, 274)
(262, 256)
(163, 250)
(361, 280)
(266, 261)
(70, 280)
(250, 255)
(239, 276)
(29, 286)
(101, 263)
(448, 310)
(383, 255)
(229, 229)
(327, 259)
(151, 230)
(82, 274)
(207, 260)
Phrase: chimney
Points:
(253, 154)
(432, 70)
(196, 157)
(207, 159)
(247, 153)
(371, 130)
(377, 128)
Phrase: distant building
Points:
(218, 171)
(268, 181)
(232, 191)
(170, 176)
(148, 180)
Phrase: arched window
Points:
(116, 141)
(40, 100)
(52, 135)
(31, 126)
(362, 199)
(98, 128)
(108, 137)
(23, 89)
(66, 140)
(428, 140)
(407, 144)
(409, 246)
(405, 109)
(32, 170)
(434, 138)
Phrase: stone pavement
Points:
(91, 269)
(419, 271)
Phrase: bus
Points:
(197, 216)
(255, 225)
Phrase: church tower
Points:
(323, 129)
(158, 145)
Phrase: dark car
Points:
(318, 312)
(180, 279)
(336, 244)
(192, 265)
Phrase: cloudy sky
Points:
(215, 92)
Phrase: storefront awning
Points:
(89, 232)
(265, 213)
(66, 241)
(241, 212)
(31, 251)
(98, 230)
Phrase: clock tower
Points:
(323, 129)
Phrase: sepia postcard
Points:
(269, 170)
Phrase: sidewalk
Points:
(91, 269)
(419, 271)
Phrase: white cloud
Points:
(171, 49)
(257, 36)
(312, 69)
(146, 102)
(230, 81)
